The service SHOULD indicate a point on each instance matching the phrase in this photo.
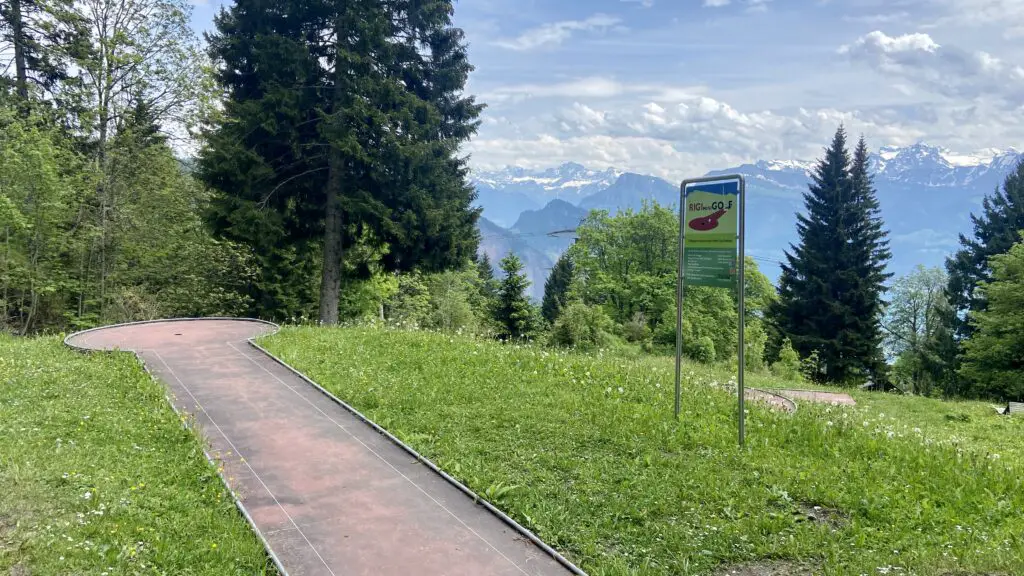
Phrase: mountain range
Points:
(927, 195)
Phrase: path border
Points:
(508, 520)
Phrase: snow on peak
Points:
(571, 177)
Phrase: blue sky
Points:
(678, 87)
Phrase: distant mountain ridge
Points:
(927, 194)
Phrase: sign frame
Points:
(740, 286)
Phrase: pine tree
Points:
(994, 356)
(344, 119)
(556, 288)
(488, 284)
(868, 255)
(995, 232)
(514, 313)
(831, 283)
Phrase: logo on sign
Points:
(705, 223)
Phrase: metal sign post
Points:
(712, 218)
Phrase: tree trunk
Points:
(18, 33)
(330, 285)
(330, 280)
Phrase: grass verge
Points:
(99, 476)
(584, 451)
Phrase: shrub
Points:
(583, 327)
(788, 365)
(636, 330)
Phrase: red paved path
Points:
(328, 493)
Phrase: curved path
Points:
(327, 493)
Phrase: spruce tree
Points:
(514, 313)
(868, 254)
(995, 232)
(831, 283)
(556, 288)
(343, 119)
(488, 284)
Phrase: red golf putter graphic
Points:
(705, 223)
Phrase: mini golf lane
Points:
(328, 493)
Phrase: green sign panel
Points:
(710, 228)
(710, 267)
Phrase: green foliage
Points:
(627, 265)
(604, 471)
(918, 331)
(556, 288)
(994, 356)
(515, 314)
(342, 119)
(90, 451)
(995, 232)
(582, 327)
(830, 290)
(409, 306)
(453, 294)
(788, 365)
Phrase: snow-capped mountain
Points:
(927, 194)
(505, 194)
(567, 182)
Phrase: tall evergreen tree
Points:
(994, 356)
(556, 288)
(831, 283)
(514, 313)
(488, 284)
(342, 119)
(995, 232)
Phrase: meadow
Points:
(99, 475)
(584, 451)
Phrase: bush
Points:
(636, 330)
(583, 327)
(703, 350)
(788, 365)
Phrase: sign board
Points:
(711, 222)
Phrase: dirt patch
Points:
(767, 568)
(20, 570)
(834, 398)
(831, 517)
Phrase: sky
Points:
(675, 88)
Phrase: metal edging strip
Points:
(522, 530)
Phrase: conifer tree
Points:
(556, 288)
(995, 232)
(831, 283)
(514, 313)
(994, 356)
(343, 119)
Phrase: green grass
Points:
(98, 475)
(584, 451)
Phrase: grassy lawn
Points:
(584, 451)
(99, 477)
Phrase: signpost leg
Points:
(741, 290)
(679, 295)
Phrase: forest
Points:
(304, 164)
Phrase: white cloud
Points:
(943, 70)
(589, 87)
(555, 33)
(757, 5)
(716, 3)
(675, 139)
